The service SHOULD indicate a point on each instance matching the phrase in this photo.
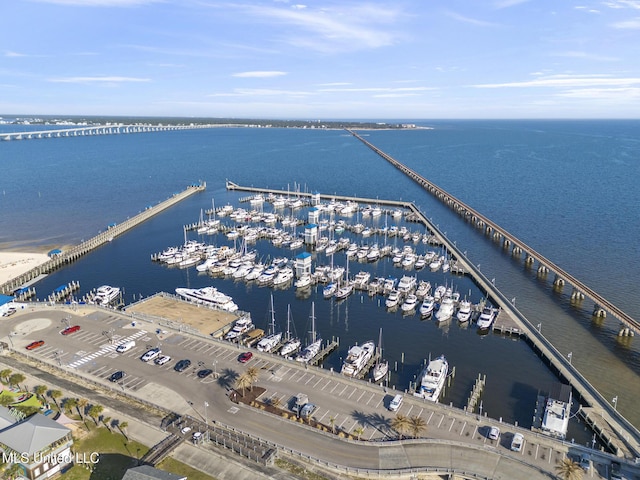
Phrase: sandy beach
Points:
(12, 264)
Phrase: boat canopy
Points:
(4, 299)
(61, 288)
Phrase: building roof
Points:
(147, 472)
(6, 419)
(303, 255)
(5, 299)
(33, 434)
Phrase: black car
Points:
(182, 365)
(205, 373)
(116, 376)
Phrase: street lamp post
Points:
(540, 327)
(569, 355)
(206, 421)
(615, 403)
(215, 371)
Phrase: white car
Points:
(162, 360)
(517, 442)
(150, 355)
(185, 430)
(196, 436)
(494, 433)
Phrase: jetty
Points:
(62, 258)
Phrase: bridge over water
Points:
(95, 130)
(601, 306)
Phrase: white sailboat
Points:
(272, 340)
(381, 368)
(311, 350)
(291, 344)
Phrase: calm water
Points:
(565, 188)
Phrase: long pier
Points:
(602, 306)
(96, 130)
(73, 254)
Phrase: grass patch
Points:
(297, 470)
(173, 466)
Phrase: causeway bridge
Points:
(95, 130)
(601, 306)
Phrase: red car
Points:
(34, 345)
(245, 357)
(70, 330)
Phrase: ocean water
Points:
(566, 188)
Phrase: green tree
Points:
(567, 469)
(243, 382)
(358, 431)
(275, 402)
(95, 411)
(40, 390)
(27, 410)
(122, 426)
(417, 425)
(105, 421)
(14, 471)
(82, 405)
(401, 424)
(332, 422)
(253, 373)
(5, 374)
(16, 379)
(6, 400)
(69, 404)
(55, 395)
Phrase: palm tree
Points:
(253, 373)
(332, 422)
(417, 425)
(13, 471)
(5, 373)
(6, 400)
(40, 390)
(275, 402)
(122, 426)
(82, 405)
(106, 421)
(358, 431)
(55, 394)
(567, 469)
(16, 379)
(243, 382)
(400, 424)
(95, 411)
(69, 403)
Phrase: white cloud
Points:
(622, 94)
(633, 24)
(565, 81)
(472, 21)
(378, 89)
(259, 74)
(98, 79)
(633, 4)
(14, 54)
(253, 92)
(508, 3)
(100, 3)
(586, 56)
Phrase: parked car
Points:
(616, 471)
(196, 436)
(395, 403)
(308, 410)
(182, 365)
(245, 357)
(70, 330)
(34, 345)
(585, 461)
(185, 430)
(494, 433)
(517, 441)
(162, 360)
(151, 354)
(117, 376)
(204, 373)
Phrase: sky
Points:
(324, 59)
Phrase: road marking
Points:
(310, 378)
(326, 385)
(233, 410)
(354, 391)
(108, 348)
(453, 422)
(319, 380)
(345, 387)
(430, 415)
(464, 425)
(358, 400)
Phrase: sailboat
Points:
(269, 342)
(291, 344)
(311, 350)
(381, 368)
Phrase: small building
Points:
(302, 264)
(39, 445)
(314, 215)
(147, 472)
(315, 198)
(311, 234)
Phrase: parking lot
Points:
(343, 404)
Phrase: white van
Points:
(395, 403)
(123, 347)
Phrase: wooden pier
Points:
(324, 353)
(478, 388)
(112, 232)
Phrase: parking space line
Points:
(453, 422)
(345, 387)
(351, 394)
(360, 397)
(429, 420)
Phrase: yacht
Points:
(255, 272)
(464, 312)
(381, 367)
(393, 299)
(357, 358)
(361, 280)
(373, 254)
(424, 288)
(406, 284)
(486, 318)
(210, 296)
(389, 284)
(242, 326)
(410, 303)
(557, 411)
(267, 275)
(432, 379)
(106, 294)
(303, 282)
(427, 306)
(329, 290)
(446, 309)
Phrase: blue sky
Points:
(325, 59)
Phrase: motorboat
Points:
(427, 306)
(373, 254)
(242, 326)
(106, 294)
(303, 282)
(361, 279)
(255, 272)
(410, 303)
(393, 299)
(357, 358)
(210, 296)
(557, 411)
(445, 310)
(439, 292)
(464, 311)
(389, 284)
(406, 284)
(330, 290)
(432, 379)
(486, 318)
(424, 288)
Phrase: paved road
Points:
(456, 440)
